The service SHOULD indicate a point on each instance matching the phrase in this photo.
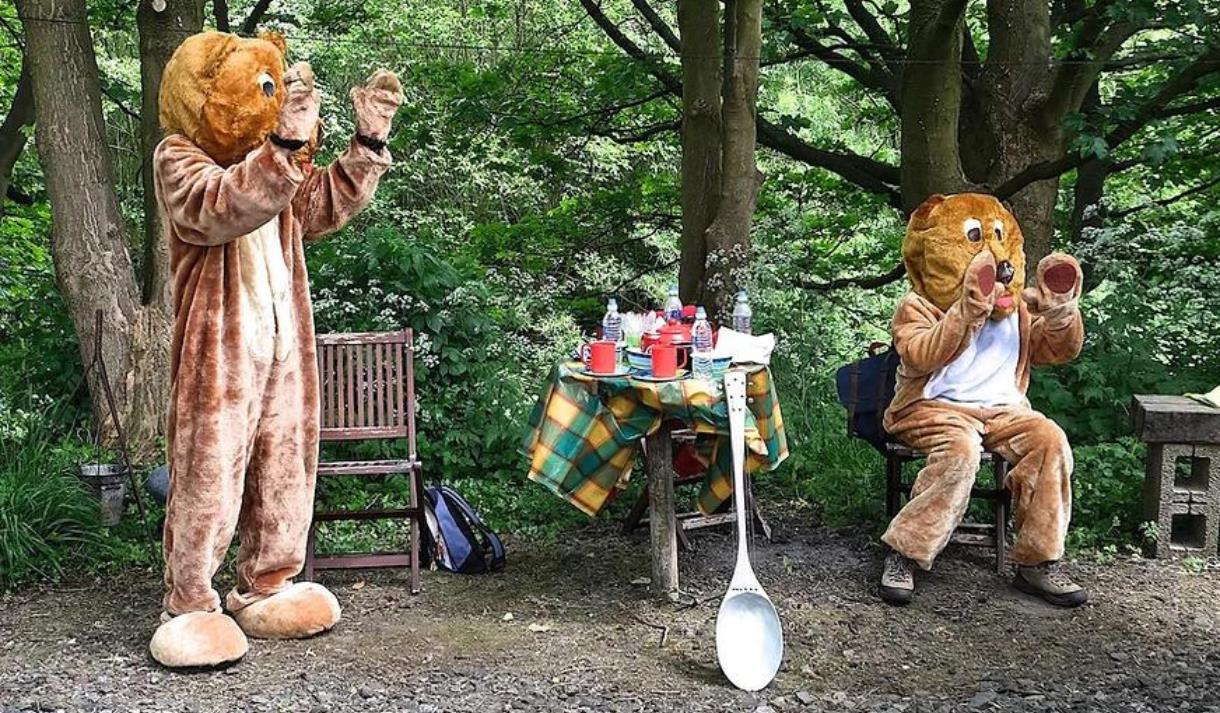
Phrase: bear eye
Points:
(999, 230)
(973, 229)
(267, 83)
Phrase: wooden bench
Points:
(367, 392)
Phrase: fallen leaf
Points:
(538, 628)
(507, 617)
(358, 585)
(641, 581)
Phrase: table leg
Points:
(662, 523)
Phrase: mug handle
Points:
(683, 354)
(586, 353)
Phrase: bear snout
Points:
(1004, 272)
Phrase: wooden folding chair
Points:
(367, 392)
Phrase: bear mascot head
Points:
(225, 92)
(948, 235)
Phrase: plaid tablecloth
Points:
(583, 432)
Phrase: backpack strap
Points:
(490, 539)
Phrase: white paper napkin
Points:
(744, 348)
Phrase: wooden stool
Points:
(972, 534)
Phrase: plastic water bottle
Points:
(743, 316)
(612, 323)
(701, 351)
(673, 306)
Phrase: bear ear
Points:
(276, 39)
(925, 209)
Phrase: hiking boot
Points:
(1051, 583)
(897, 580)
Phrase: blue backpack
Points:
(866, 388)
(456, 538)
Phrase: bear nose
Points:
(1004, 272)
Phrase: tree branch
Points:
(868, 77)
(256, 16)
(886, 47)
(12, 131)
(1074, 77)
(868, 283)
(658, 25)
(1206, 63)
(867, 173)
(220, 11)
(638, 134)
(1170, 200)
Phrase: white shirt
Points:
(985, 374)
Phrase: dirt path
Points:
(582, 637)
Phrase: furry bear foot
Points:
(300, 611)
(198, 639)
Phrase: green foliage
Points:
(47, 519)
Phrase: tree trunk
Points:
(160, 34)
(931, 102)
(12, 131)
(699, 27)
(728, 238)
(1012, 88)
(88, 236)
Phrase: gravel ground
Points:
(564, 628)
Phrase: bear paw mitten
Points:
(1057, 295)
(979, 287)
(375, 103)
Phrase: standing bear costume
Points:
(967, 334)
(239, 196)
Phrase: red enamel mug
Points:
(600, 357)
(665, 363)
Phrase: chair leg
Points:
(310, 541)
(893, 483)
(1000, 468)
(633, 518)
(419, 521)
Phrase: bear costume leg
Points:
(279, 487)
(953, 436)
(951, 439)
(1040, 481)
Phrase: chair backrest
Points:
(367, 386)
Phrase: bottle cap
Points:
(742, 296)
(673, 289)
(612, 305)
(700, 313)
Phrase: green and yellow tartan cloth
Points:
(583, 432)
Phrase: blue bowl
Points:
(639, 361)
(719, 366)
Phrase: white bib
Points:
(266, 290)
(985, 374)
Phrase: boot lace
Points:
(1055, 574)
(897, 567)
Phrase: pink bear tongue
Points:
(1004, 301)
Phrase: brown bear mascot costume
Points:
(239, 196)
(967, 334)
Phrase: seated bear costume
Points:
(967, 334)
(239, 196)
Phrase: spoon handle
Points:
(735, 397)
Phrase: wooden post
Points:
(662, 523)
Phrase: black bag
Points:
(866, 388)
(456, 538)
